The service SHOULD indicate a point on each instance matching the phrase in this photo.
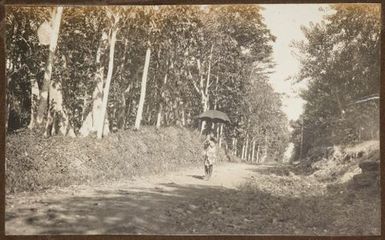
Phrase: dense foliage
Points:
(215, 57)
(341, 62)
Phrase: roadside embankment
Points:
(36, 163)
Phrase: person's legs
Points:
(210, 170)
(207, 169)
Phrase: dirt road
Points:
(139, 206)
(239, 199)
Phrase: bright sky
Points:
(284, 21)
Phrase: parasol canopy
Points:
(214, 116)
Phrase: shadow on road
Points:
(192, 209)
(119, 211)
(197, 176)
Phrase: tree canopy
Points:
(212, 57)
(340, 60)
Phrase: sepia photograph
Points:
(218, 119)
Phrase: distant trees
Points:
(197, 58)
(341, 62)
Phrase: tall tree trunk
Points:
(205, 107)
(44, 93)
(266, 153)
(258, 153)
(90, 124)
(204, 89)
(159, 117)
(216, 127)
(233, 145)
(251, 150)
(34, 103)
(236, 147)
(183, 116)
(8, 107)
(143, 90)
(248, 152)
(188, 119)
(149, 114)
(106, 89)
(166, 117)
(57, 118)
(253, 153)
(246, 147)
(126, 107)
(301, 143)
(123, 108)
(264, 157)
(220, 134)
(216, 93)
(122, 117)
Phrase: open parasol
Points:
(214, 116)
